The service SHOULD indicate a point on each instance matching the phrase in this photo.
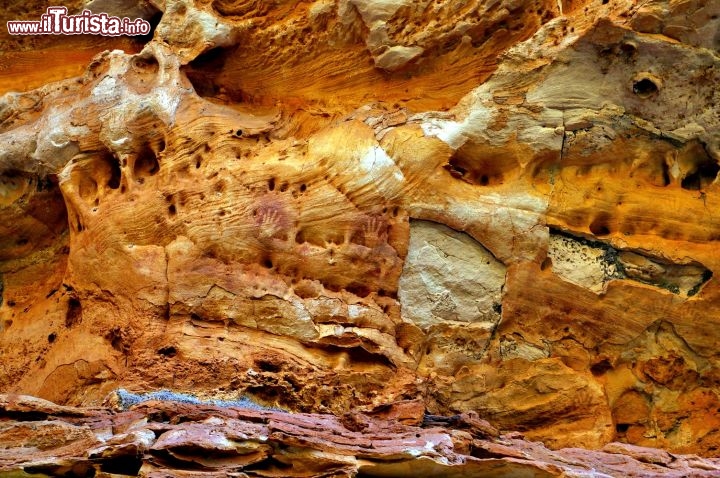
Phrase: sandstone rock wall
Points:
(498, 206)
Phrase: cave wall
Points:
(507, 207)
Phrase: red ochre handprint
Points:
(374, 232)
(270, 222)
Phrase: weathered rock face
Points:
(161, 438)
(502, 207)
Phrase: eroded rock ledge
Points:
(158, 439)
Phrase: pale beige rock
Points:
(581, 263)
(449, 278)
(397, 56)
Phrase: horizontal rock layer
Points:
(160, 438)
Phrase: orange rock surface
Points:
(500, 207)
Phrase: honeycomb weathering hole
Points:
(74, 312)
(146, 164)
(146, 64)
(204, 70)
(629, 47)
(600, 226)
(480, 166)
(646, 86)
(115, 173)
(144, 73)
(702, 170)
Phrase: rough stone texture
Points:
(448, 278)
(159, 438)
(244, 204)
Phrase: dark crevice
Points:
(601, 368)
(146, 164)
(74, 312)
(701, 175)
(154, 22)
(203, 73)
(123, 465)
(358, 289)
(24, 416)
(267, 365)
(665, 174)
(168, 351)
(115, 173)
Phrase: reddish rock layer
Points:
(159, 439)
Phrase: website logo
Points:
(56, 21)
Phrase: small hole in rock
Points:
(601, 367)
(628, 47)
(168, 351)
(622, 427)
(645, 87)
(172, 210)
(599, 226)
(115, 174)
(74, 312)
(358, 289)
(267, 365)
(146, 63)
(146, 164)
(52, 337)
